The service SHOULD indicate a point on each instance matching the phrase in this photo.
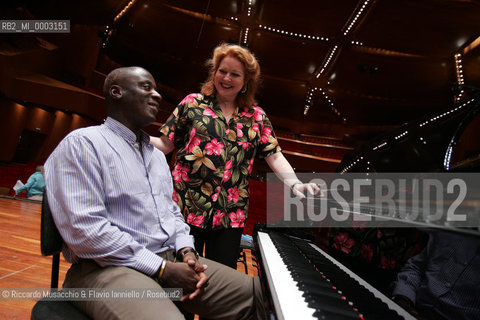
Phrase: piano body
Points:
(305, 279)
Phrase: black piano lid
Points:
(441, 142)
(447, 141)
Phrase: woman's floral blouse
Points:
(215, 159)
(388, 248)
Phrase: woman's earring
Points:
(244, 89)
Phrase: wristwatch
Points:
(182, 254)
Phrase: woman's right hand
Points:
(303, 189)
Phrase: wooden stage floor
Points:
(21, 263)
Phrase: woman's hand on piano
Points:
(303, 189)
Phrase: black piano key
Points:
(328, 301)
(320, 283)
(312, 289)
(304, 273)
(326, 315)
(321, 305)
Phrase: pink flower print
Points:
(232, 195)
(387, 263)
(343, 243)
(257, 113)
(171, 135)
(226, 173)
(189, 99)
(379, 234)
(266, 132)
(209, 112)
(193, 141)
(214, 147)
(226, 176)
(367, 252)
(239, 130)
(250, 166)
(180, 173)
(196, 221)
(244, 144)
(217, 218)
(237, 220)
(360, 225)
(175, 196)
(255, 127)
(215, 195)
(245, 113)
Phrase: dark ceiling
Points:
(329, 67)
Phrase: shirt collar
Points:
(215, 106)
(127, 134)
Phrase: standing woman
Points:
(218, 133)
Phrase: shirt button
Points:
(162, 220)
(447, 284)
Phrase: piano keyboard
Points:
(307, 283)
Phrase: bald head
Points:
(117, 77)
(131, 96)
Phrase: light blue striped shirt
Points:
(109, 203)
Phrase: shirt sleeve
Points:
(75, 191)
(20, 190)
(410, 277)
(183, 239)
(268, 141)
(176, 126)
(26, 186)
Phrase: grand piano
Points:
(305, 278)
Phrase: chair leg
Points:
(55, 270)
(254, 259)
(242, 258)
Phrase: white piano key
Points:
(286, 296)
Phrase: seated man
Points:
(110, 194)
(35, 185)
(442, 281)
